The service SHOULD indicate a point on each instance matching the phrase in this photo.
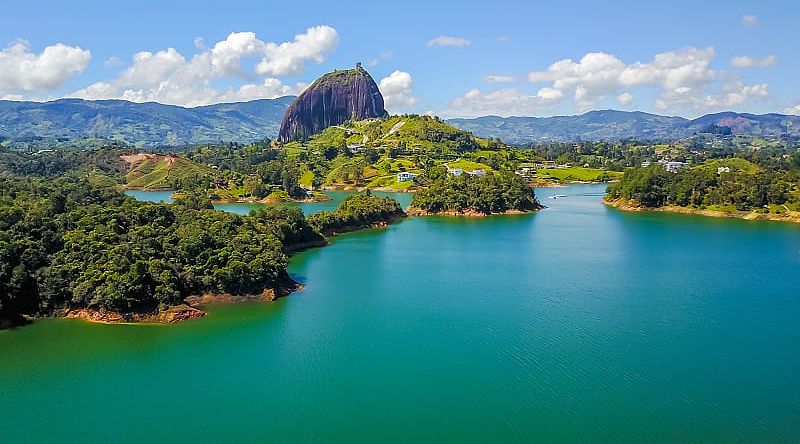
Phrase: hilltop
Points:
(332, 99)
(371, 153)
(409, 131)
(156, 171)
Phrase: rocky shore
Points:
(625, 205)
(378, 224)
(192, 308)
(468, 213)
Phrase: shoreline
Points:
(631, 206)
(411, 211)
(191, 308)
(379, 224)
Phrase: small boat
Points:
(558, 196)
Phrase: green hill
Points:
(410, 132)
(155, 171)
(370, 153)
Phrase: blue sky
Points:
(456, 59)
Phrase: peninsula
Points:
(728, 187)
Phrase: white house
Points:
(721, 170)
(405, 176)
(674, 167)
(455, 171)
(477, 173)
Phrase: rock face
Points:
(332, 99)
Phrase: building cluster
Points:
(528, 170)
(669, 165)
(459, 171)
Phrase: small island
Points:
(356, 212)
(475, 196)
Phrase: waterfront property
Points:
(405, 176)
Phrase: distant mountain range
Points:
(613, 125)
(150, 125)
(141, 124)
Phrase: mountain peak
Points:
(336, 97)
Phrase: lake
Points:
(578, 324)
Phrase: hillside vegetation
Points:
(154, 171)
(724, 185)
(355, 212)
(493, 193)
(68, 244)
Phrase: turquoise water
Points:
(244, 208)
(151, 196)
(575, 324)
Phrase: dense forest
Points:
(66, 243)
(355, 212)
(492, 193)
(726, 182)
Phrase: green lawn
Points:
(577, 173)
(162, 171)
(306, 180)
(468, 165)
(390, 181)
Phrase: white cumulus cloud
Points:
(684, 77)
(503, 102)
(167, 76)
(793, 110)
(444, 40)
(749, 21)
(733, 93)
(625, 99)
(398, 91)
(24, 71)
(753, 62)
(290, 57)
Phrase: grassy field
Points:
(156, 171)
(577, 174)
(306, 180)
(468, 165)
